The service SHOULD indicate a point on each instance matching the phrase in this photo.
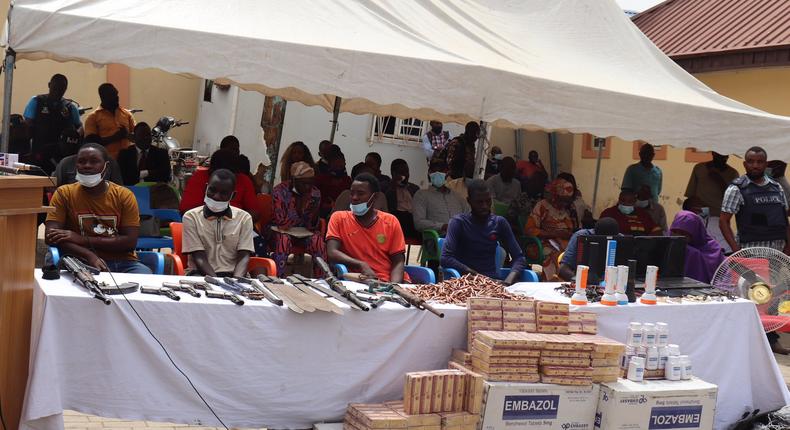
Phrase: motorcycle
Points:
(183, 160)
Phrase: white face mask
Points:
(642, 203)
(90, 181)
(216, 206)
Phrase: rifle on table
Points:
(161, 291)
(261, 289)
(184, 288)
(300, 281)
(338, 286)
(84, 277)
(376, 286)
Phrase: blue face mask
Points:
(359, 209)
(437, 179)
(625, 210)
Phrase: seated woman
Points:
(703, 253)
(296, 204)
(243, 195)
(295, 152)
(553, 220)
(583, 210)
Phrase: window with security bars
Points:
(398, 130)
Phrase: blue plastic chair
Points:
(153, 260)
(418, 274)
(142, 194)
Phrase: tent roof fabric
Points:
(684, 28)
(557, 65)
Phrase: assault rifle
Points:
(377, 286)
(85, 277)
(338, 286)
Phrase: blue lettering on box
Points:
(530, 407)
(598, 420)
(675, 417)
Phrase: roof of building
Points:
(684, 28)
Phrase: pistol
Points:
(225, 296)
(182, 288)
(162, 291)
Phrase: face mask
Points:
(769, 172)
(359, 209)
(705, 212)
(642, 203)
(625, 210)
(437, 179)
(90, 181)
(216, 206)
(499, 156)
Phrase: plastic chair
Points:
(500, 208)
(153, 260)
(420, 275)
(450, 273)
(417, 274)
(526, 275)
(267, 264)
(431, 250)
(142, 193)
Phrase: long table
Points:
(262, 366)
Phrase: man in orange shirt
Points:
(367, 240)
(110, 122)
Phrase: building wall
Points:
(767, 89)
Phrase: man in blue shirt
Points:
(47, 116)
(604, 227)
(644, 173)
(472, 238)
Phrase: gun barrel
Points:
(418, 302)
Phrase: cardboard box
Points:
(517, 406)
(656, 405)
(328, 426)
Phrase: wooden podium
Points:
(20, 203)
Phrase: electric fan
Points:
(761, 275)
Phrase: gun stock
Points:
(338, 286)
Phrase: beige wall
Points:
(505, 138)
(766, 89)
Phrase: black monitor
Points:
(666, 252)
(591, 252)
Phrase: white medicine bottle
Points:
(634, 336)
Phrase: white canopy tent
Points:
(555, 65)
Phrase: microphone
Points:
(10, 170)
(26, 167)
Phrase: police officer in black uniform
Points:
(48, 116)
(760, 209)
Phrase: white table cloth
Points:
(725, 341)
(257, 365)
(263, 366)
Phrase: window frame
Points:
(398, 138)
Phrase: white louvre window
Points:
(388, 129)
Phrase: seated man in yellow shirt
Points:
(111, 123)
(95, 220)
(217, 236)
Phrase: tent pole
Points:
(335, 115)
(481, 149)
(553, 154)
(597, 169)
(8, 68)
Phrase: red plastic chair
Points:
(256, 263)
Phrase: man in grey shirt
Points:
(433, 207)
(504, 186)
